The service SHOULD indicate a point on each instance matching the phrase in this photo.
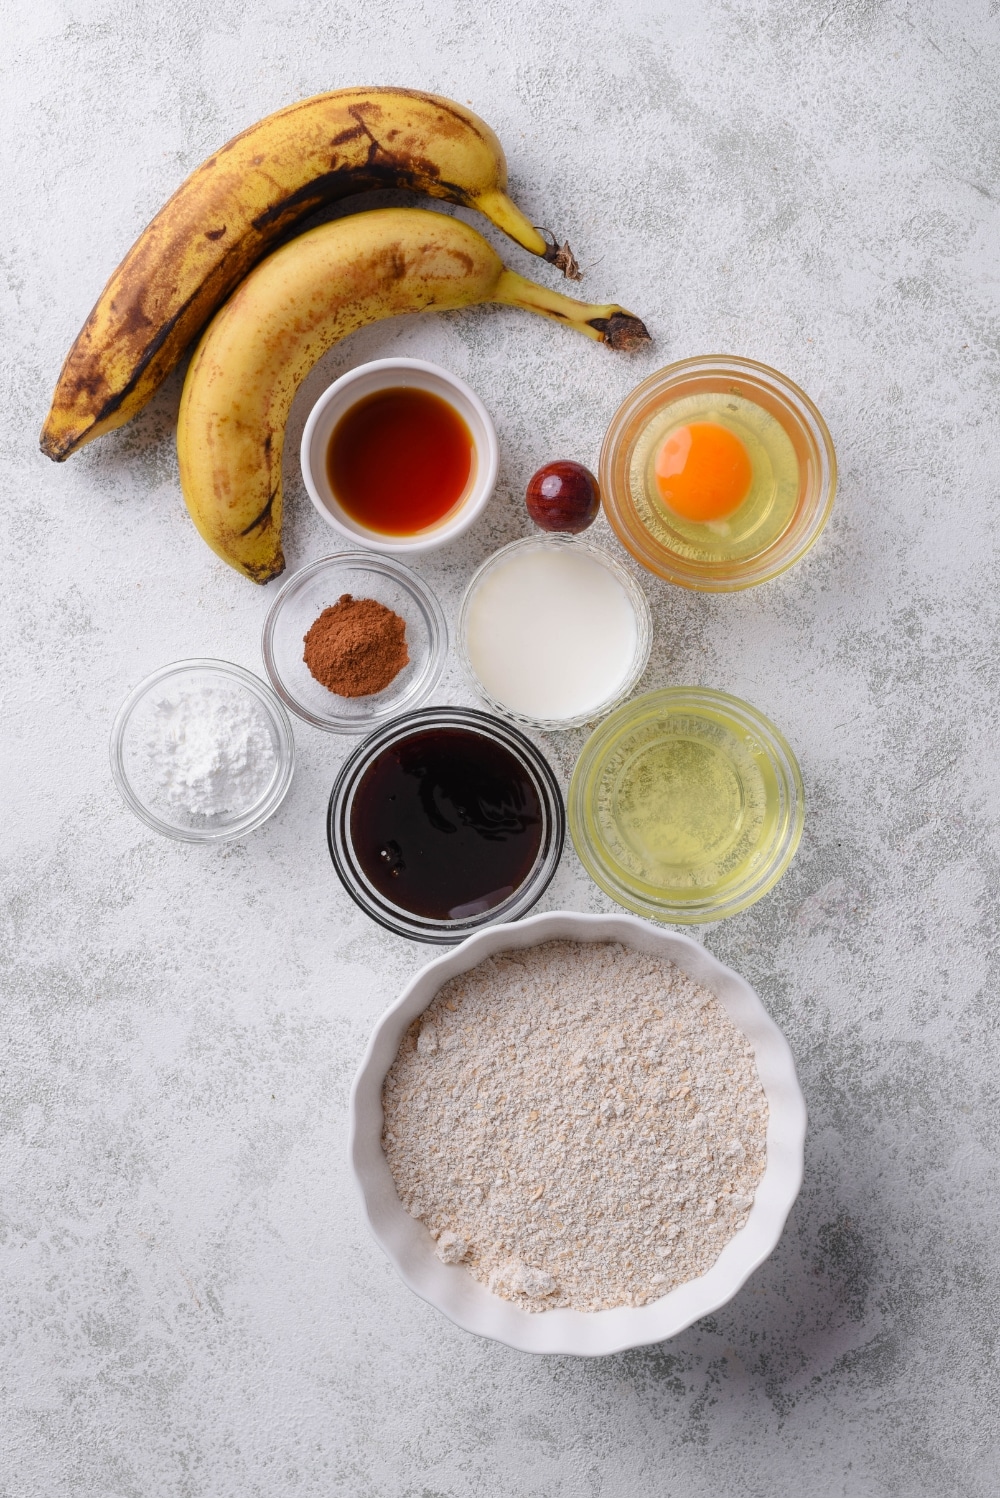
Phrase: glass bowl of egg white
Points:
(718, 473)
(553, 631)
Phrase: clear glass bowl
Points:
(313, 589)
(632, 670)
(136, 784)
(686, 805)
(396, 918)
(790, 515)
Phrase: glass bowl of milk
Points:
(553, 631)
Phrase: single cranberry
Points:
(563, 496)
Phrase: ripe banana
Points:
(291, 309)
(238, 204)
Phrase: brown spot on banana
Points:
(264, 519)
(353, 133)
(264, 572)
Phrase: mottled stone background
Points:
(191, 1303)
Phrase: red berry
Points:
(563, 496)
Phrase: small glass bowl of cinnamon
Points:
(353, 640)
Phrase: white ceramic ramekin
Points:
(451, 1288)
(387, 374)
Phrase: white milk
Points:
(551, 634)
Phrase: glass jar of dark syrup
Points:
(443, 821)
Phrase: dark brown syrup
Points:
(446, 823)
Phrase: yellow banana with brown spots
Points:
(290, 310)
(236, 207)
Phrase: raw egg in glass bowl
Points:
(718, 473)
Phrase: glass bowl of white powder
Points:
(202, 751)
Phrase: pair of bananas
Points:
(203, 258)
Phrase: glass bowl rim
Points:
(254, 816)
(634, 592)
(422, 595)
(430, 929)
(711, 578)
(703, 909)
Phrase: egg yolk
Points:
(703, 472)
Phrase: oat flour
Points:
(578, 1123)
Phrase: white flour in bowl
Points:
(580, 1124)
(203, 752)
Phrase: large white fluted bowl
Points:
(451, 1288)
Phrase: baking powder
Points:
(205, 752)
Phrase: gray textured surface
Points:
(191, 1303)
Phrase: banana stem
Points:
(609, 324)
(506, 215)
(561, 256)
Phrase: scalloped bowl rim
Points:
(467, 1302)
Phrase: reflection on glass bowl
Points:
(686, 805)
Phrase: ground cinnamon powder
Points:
(356, 647)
